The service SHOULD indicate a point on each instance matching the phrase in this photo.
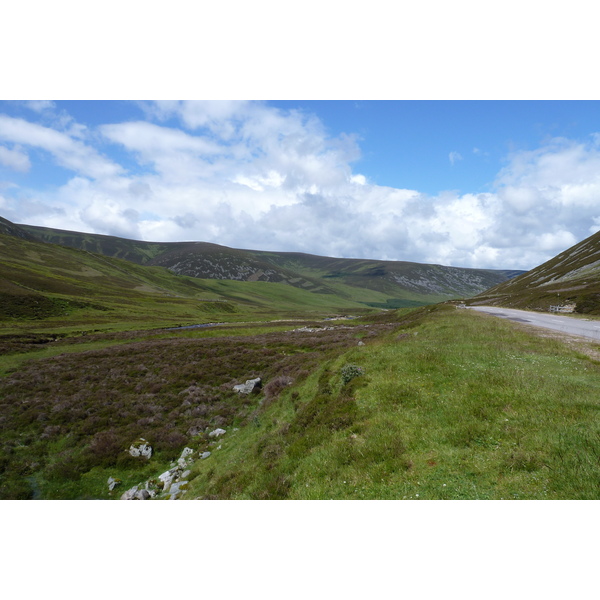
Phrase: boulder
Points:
(130, 493)
(141, 495)
(113, 483)
(216, 433)
(168, 477)
(250, 386)
(177, 489)
(141, 448)
(183, 460)
(205, 455)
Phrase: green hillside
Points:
(571, 278)
(396, 283)
(42, 283)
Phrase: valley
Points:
(372, 384)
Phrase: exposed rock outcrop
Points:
(216, 433)
(250, 386)
(141, 448)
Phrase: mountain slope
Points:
(62, 285)
(572, 277)
(8, 228)
(400, 283)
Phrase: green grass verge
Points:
(452, 406)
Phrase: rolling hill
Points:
(375, 283)
(570, 278)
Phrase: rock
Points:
(205, 455)
(361, 343)
(167, 478)
(216, 433)
(183, 460)
(113, 483)
(250, 386)
(130, 493)
(141, 448)
(141, 495)
(186, 452)
(185, 474)
(177, 488)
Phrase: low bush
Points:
(349, 372)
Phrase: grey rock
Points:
(216, 433)
(141, 448)
(183, 460)
(249, 386)
(130, 493)
(186, 452)
(185, 474)
(167, 478)
(141, 495)
(177, 489)
(205, 455)
(113, 483)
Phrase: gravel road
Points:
(571, 325)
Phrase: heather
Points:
(77, 412)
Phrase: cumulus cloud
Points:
(68, 152)
(247, 175)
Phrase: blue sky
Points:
(486, 184)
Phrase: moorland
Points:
(367, 391)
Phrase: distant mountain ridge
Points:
(571, 277)
(403, 283)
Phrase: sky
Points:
(483, 184)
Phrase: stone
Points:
(185, 474)
(141, 448)
(177, 489)
(130, 493)
(361, 343)
(250, 386)
(113, 483)
(183, 460)
(216, 433)
(186, 452)
(141, 495)
(205, 455)
(167, 478)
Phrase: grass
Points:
(70, 410)
(456, 407)
(50, 288)
(435, 404)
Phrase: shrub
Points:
(349, 372)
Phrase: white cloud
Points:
(15, 159)
(251, 176)
(454, 157)
(69, 153)
(39, 106)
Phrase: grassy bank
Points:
(451, 406)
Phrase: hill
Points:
(76, 288)
(396, 283)
(571, 278)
